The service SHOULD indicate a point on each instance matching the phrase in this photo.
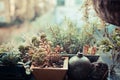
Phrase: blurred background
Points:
(26, 17)
(22, 16)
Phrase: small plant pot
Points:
(13, 72)
(50, 73)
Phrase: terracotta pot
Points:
(108, 10)
(50, 73)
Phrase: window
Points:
(78, 2)
(60, 2)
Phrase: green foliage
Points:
(35, 41)
(39, 58)
(10, 58)
(111, 41)
(106, 44)
(69, 36)
(9, 55)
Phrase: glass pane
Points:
(60, 2)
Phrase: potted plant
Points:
(46, 66)
(10, 68)
(8, 56)
(66, 37)
(46, 61)
(73, 39)
(10, 64)
(69, 36)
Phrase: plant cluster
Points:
(111, 43)
(41, 52)
(8, 54)
(9, 58)
(70, 37)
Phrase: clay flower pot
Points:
(108, 10)
(50, 73)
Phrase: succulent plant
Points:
(35, 41)
(25, 53)
(40, 52)
(39, 58)
(10, 58)
(53, 57)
